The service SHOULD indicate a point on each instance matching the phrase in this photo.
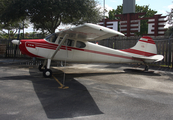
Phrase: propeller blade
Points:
(15, 52)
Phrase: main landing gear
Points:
(46, 69)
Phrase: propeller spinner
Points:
(16, 42)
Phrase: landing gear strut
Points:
(41, 68)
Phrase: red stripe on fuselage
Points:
(48, 45)
(147, 40)
(138, 52)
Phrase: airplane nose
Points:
(16, 42)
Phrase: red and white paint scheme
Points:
(73, 45)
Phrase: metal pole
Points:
(33, 31)
(104, 24)
(169, 59)
(104, 13)
(23, 30)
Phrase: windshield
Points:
(51, 38)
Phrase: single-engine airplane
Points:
(73, 45)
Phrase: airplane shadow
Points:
(61, 103)
(66, 103)
(75, 101)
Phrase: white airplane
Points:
(73, 45)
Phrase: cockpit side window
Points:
(68, 42)
(80, 44)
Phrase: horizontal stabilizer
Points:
(154, 58)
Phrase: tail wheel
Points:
(146, 68)
(47, 73)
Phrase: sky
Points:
(161, 6)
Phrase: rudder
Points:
(145, 46)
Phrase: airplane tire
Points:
(47, 73)
(40, 67)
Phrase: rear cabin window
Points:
(80, 44)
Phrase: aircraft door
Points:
(69, 43)
(80, 54)
(66, 51)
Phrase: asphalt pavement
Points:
(91, 92)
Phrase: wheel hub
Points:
(47, 73)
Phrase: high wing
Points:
(89, 32)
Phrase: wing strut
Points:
(64, 38)
(57, 40)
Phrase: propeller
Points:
(16, 42)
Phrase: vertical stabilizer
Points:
(145, 47)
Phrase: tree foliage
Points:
(11, 28)
(139, 9)
(170, 17)
(11, 16)
(170, 22)
(48, 14)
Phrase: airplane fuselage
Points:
(86, 52)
